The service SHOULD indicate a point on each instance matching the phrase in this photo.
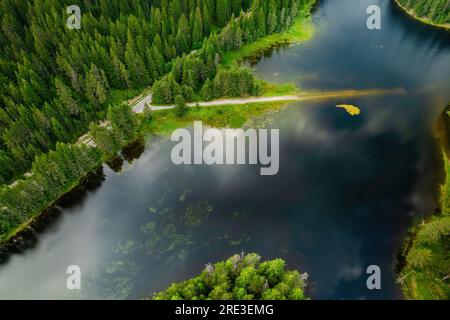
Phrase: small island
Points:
(241, 277)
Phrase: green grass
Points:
(117, 96)
(229, 116)
(275, 90)
(302, 30)
(445, 188)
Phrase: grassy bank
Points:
(274, 89)
(232, 116)
(301, 31)
(428, 21)
(426, 273)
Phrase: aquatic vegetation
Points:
(167, 233)
(185, 194)
(351, 109)
(113, 267)
(126, 246)
(240, 215)
(239, 239)
(114, 281)
(148, 228)
(196, 214)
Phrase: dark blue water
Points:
(347, 190)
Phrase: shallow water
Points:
(347, 190)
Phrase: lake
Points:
(346, 193)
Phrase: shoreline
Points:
(426, 21)
(82, 183)
(29, 222)
(303, 30)
(72, 188)
(13, 238)
(410, 277)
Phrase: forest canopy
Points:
(56, 81)
(437, 11)
(241, 277)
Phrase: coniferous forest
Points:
(437, 11)
(241, 277)
(59, 83)
(352, 93)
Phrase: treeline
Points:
(118, 130)
(242, 277)
(56, 81)
(437, 11)
(426, 273)
(54, 174)
(198, 75)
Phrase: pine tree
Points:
(262, 31)
(183, 39)
(272, 20)
(207, 91)
(222, 12)
(197, 33)
(66, 97)
(96, 86)
(104, 139)
(122, 117)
